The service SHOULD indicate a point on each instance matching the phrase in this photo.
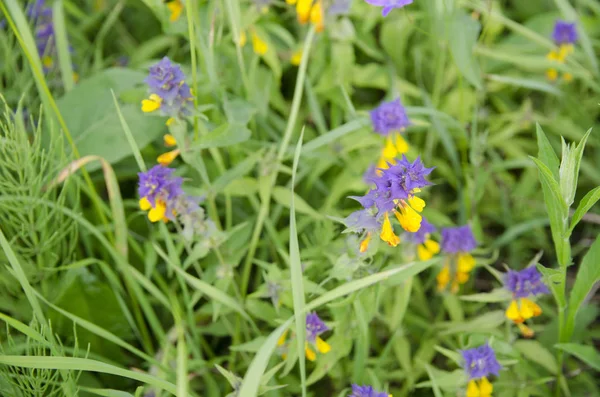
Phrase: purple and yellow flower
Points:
(564, 36)
(389, 5)
(457, 243)
(310, 11)
(426, 246)
(366, 391)
(314, 328)
(523, 284)
(175, 9)
(365, 223)
(390, 120)
(159, 192)
(479, 363)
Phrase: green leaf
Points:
(536, 352)
(222, 136)
(483, 323)
(586, 203)
(546, 153)
(84, 364)
(285, 197)
(89, 113)
(531, 84)
(555, 280)
(569, 169)
(587, 354)
(496, 295)
(587, 276)
(464, 31)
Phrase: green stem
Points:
(266, 198)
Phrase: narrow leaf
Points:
(587, 354)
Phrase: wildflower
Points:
(296, 57)
(389, 5)
(310, 10)
(315, 327)
(426, 246)
(457, 242)
(479, 363)
(366, 391)
(564, 36)
(175, 8)
(159, 191)
(389, 119)
(259, 46)
(365, 223)
(169, 92)
(523, 284)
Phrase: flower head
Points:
(366, 391)
(480, 362)
(389, 5)
(388, 117)
(168, 90)
(38, 9)
(159, 192)
(525, 283)
(564, 32)
(314, 327)
(458, 239)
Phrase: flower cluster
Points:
(479, 363)
(259, 46)
(523, 284)
(366, 391)
(389, 5)
(314, 328)
(175, 9)
(564, 36)
(426, 246)
(390, 120)
(457, 243)
(310, 10)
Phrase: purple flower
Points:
(480, 362)
(458, 239)
(168, 82)
(44, 38)
(158, 183)
(370, 174)
(525, 282)
(366, 391)
(314, 327)
(38, 9)
(388, 117)
(422, 234)
(564, 32)
(389, 5)
(397, 183)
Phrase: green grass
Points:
(97, 300)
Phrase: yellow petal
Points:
(291, 1)
(423, 253)
(485, 388)
(169, 140)
(465, 262)
(364, 245)
(259, 46)
(316, 16)
(303, 10)
(243, 39)
(47, 61)
(389, 150)
(145, 204)
(170, 121)
(387, 232)
(322, 346)
(282, 338)
(432, 246)
(528, 308)
(401, 144)
(443, 277)
(564, 51)
(310, 355)
(526, 331)
(296, 58)
(151, 104)
(384, 164)
(462, 277)
(176, 7)
(455, 287)
(157, 213)
(552, 74)
(552, 56)
(167, 158)
(512, 312)
(416, 203)
(409, 219)
(472, 389)
(567, 77)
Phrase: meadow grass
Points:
(227, 198)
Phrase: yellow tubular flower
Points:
(423, 253)
(401, 144)
(310, 355)
(529, 308)
(322, 346)
(316, 16)
(465, 262)
(567, 77)
(157, 213)
(292, 2)
(364, 245)
(151, 104)
(552, 74)
(170, 121)
(243, 39)
(176, 8)
(461, 277)
(296, 58)
(47, 61)
(145, 204)
(389, 150)
(303, 10)
(169, 140)
(387, 232)
(485, 388)
(259, 46)
(472, 389)
(443, 277)
(282, 338)
(526, 331)
(167, 158)
(416, 203)
(409, 219)
(432, 246)
(513, 314)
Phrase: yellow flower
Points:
(303, 10)
(387, 232)
(316, 16)
(522, 310)
(526, 331)
(157, 212)
(428, 249)
(395, 144)
(364, 245)
(322, 346)
(259, 46)
(243, 39)
(465, 262)
(484, 389)
(169, 140)
(176, 8)
(443, 277)
(310, 354)
(409, 219)
(296, 58)
(167, 158)
(151, 104)
(282, 338)
(552, 74)
(47, 61)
